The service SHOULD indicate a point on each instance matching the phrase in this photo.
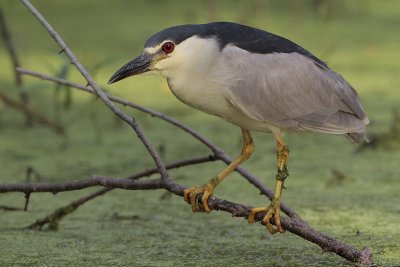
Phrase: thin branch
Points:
(33, 115)
(9, 208)
(5, 33)
(131, 121)
(81, 184)
(216, 150)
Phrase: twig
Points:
(27, 198)
(5, 33)
(34, 115)
(9, 208)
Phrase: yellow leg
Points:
(190, 194)
(274, 210)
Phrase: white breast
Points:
(194, 75)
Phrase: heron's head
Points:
(179, 49)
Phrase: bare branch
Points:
(5, 33)
(80, 184)
(9, 208)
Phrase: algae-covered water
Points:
(353, 197)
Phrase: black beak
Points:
(138, 65)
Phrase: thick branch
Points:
(297, 227)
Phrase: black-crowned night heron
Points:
(256, 80)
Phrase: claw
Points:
(186, 193)
(191, 197)
(273, 211)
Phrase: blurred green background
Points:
(350, 196)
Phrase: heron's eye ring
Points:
(168, 47)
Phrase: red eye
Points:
(168, 47)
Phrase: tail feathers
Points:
(357, 137)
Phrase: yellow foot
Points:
(273, 211)
(190, 196)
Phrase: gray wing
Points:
(294, 93)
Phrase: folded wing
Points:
(295, 93)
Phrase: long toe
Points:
(277, 217)
(273, 212)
